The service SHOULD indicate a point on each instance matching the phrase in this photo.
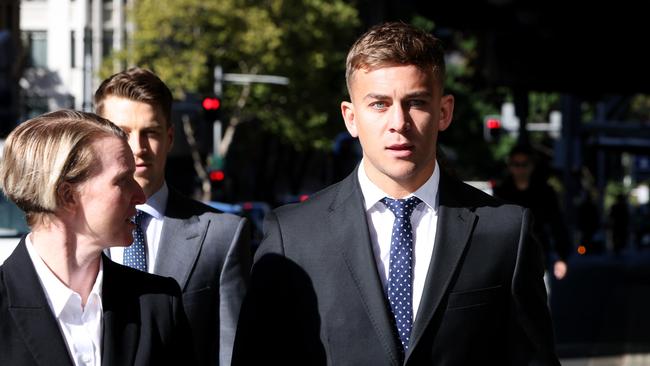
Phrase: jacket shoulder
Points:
(316, 203)
(180, 206)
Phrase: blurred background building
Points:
(65, 43)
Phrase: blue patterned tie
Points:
(400, 292)
(135, 255)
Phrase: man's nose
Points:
(137, 142)
(399, 118)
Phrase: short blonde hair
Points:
(395, 43)
(46, 151)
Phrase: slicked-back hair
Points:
(44, 152)
(139, 85)
(396, 44)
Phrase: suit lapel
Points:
(347, 216)
(455, 224)
(30, 311)
(121, 318)
(180, 241)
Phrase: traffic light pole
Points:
(220, 77)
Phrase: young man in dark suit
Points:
(207, 252)
(399, 263)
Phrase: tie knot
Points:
(139, 216)
(401, 208)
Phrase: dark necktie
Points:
(400, 273)
(135, 255)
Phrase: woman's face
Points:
(106, 201)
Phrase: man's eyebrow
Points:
(416, 94)
(419, 94)
(376, 96)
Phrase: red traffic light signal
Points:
(217, 175)
(211, 103)
(493, 123)
(492, 128)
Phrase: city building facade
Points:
(65, 43)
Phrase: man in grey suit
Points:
(400, 263)
(207, 252)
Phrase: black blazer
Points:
(316, 297)
(144, 322)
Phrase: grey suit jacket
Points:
(208, 254)
(316, 297)
(144, 323)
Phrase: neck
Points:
(402, 187)
(521, 184)
(72, 262)
(153, 188)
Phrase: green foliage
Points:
(475, 158)
(305, 40)
(541, 104)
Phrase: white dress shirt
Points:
(424, 221)
(151, 224)
(81, 325)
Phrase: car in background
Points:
(12, 227)
(12, 222)
(254, 211)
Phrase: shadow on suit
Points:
(297, 323)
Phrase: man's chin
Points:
(148, 185)
(143, 182)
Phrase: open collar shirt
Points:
(80, 325)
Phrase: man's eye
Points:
(378, 105)
(416, 103)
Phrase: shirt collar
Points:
(155, 205)
(372, 194)
(57, 293)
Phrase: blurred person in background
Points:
(62, 301)
(523, 187)
(206, 251)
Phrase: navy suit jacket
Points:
(144, 321)
(316, 297)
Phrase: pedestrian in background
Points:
(523, 187)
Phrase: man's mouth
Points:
(400, 150)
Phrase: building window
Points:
(35, 42)
(107, 43)
(73, 50)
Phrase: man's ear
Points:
(347, 110)
(446, 112)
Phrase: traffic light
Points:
(492, 128)
(211, 108)
(217, 175)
